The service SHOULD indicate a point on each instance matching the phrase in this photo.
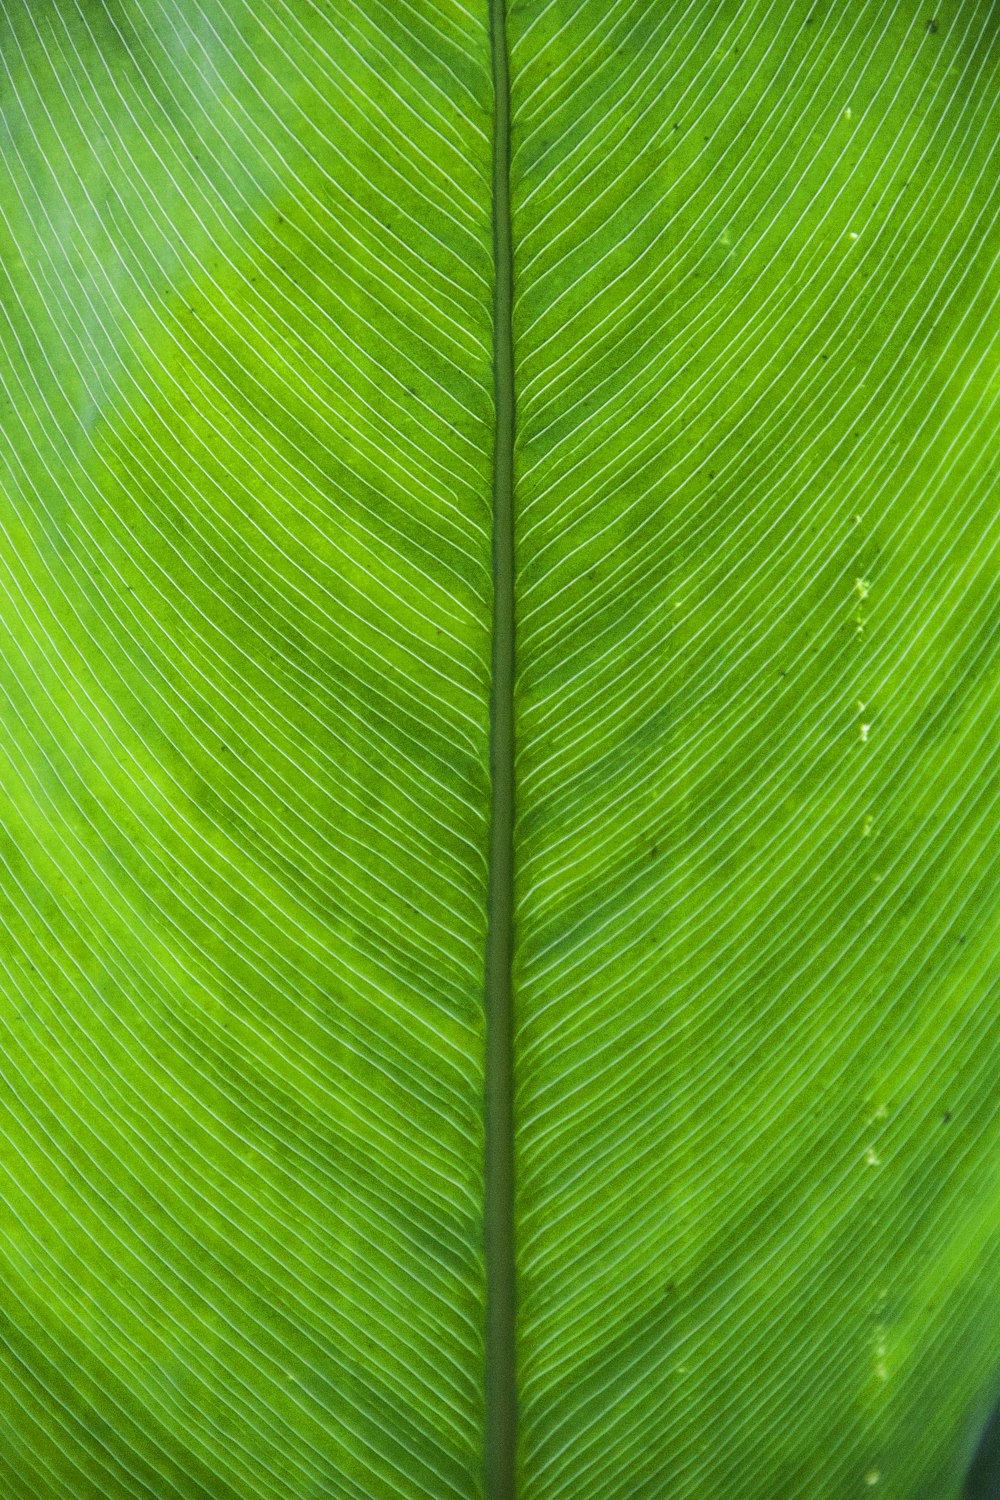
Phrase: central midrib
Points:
(501, 1392)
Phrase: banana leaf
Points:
(499, 808)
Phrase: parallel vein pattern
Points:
(245, 367)
(755, 329)
(247, 423)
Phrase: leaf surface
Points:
(756, 338)
(246, 477)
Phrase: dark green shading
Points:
(501, 1393)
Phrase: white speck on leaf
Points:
(881, 1354)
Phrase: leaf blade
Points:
(754, 468)
(248, 359)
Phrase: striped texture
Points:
(756, 340)
(246, 436)
(246, 373)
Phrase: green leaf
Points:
(252, 473)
